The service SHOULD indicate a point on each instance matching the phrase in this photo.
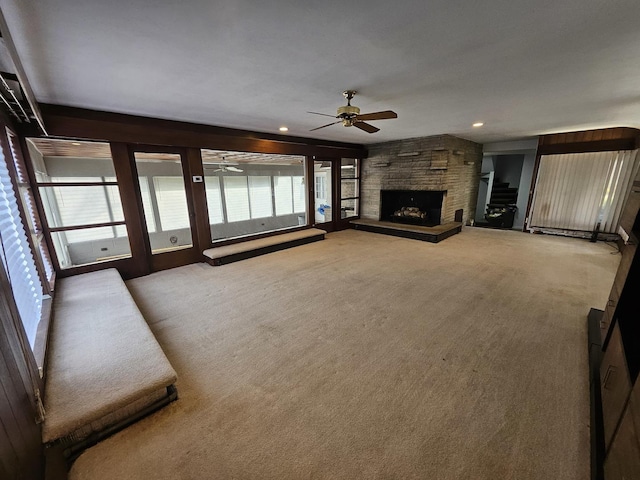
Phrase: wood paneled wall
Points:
(21, 451)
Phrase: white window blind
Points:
(299, 193)
(171, 198)
(321, 192)
(147, 204)
(578, 191)
(260, 195)
(283, 195)
(17, 258)
(81, 206)
(236, 196)
(214, 199)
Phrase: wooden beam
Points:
(73, 122)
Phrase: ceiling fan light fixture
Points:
(349, 115)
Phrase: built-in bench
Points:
(105, 368)
(252, 248)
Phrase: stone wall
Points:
(441, 162)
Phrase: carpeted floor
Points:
(372, 357)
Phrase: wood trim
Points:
(84, 227)
(76, 184)
(53, 256)
(199, 200)
(585, 147)
(132, 209)
(73, 122)
(311, 185)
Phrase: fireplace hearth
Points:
(414, 207)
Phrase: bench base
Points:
(73, 445)
(253, 248)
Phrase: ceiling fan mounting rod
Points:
(349, 94)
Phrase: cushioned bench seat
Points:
(253, 248)
(104, 363)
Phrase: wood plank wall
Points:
(21, 451)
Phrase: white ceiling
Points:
(524, 67)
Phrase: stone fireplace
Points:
(414, 207)
(443, 168)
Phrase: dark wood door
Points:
(166, 181)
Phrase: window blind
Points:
(214, 200)
(236, 198)
(171, 199)
(260, 196)
(299, 194)
(17, 258)
(578, 191)
(283, 195)
(147, 205)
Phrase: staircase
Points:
(502, 205)
(502, 194)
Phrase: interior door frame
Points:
(189, 162)
(331, 225)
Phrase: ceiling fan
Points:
(349, 115)
(225, 166)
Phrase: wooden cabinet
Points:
(616, 385)
(623, 460)
(628, 255)
(618, 426)
(628, 217)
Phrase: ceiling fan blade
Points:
(366, 127)
(327, 125)
(323, 114)
(235, 169)
(378, 115)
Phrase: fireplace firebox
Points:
(414, 207)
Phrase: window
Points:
(33, 224)
(249, 193)
(17, 258)
(260, 196)
(214, 200)
(172, 203)
(321, 189)
(299, 194)
(282, 187)
(81, 200)
(236, 198)
(349, 188)
(164, 201)
(147, 204)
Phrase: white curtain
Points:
(579, 190)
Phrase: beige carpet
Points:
(372, 357)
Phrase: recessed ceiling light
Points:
(77, 144)
(478, 124)
(284, 129)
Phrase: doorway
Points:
(164, 184)
(323, 211)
